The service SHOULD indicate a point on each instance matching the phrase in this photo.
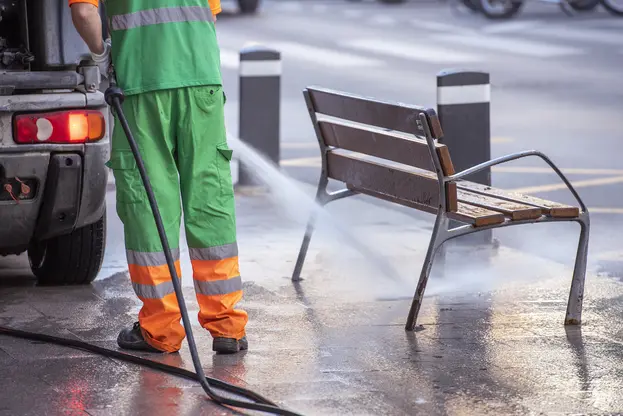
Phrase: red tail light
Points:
(76, 126)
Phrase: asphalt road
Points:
(555, 85)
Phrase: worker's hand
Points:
(103, 61)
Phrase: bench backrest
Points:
(397, 157)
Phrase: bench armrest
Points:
(514, 156)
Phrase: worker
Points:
(167, 61)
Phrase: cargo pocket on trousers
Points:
(207, 97)
(223, 166)
(127, 177)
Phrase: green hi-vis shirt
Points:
(163, 44)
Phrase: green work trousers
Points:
(182, 140)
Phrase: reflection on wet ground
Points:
(325, 346)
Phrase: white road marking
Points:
(609, 37)
(441, 27)
(319, 8)
(411, 51)
(230, 59)
(508, 45)
(507, 27)
(352, 14)
(323, 56)
(289, 6)
(616, 255)
(382, 20)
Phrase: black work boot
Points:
(131, 338)
(229, 345)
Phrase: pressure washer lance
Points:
(114, 97)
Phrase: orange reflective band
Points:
(218, 315)
(152, 275)
(207, 270)
(92, 2)
(160, 323)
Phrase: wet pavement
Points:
(491, 339)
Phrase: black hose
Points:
(114, 97)
(180, 372)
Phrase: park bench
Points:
(392, 151)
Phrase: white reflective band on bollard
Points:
(260, 68)
(464, 94)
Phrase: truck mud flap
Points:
(61, 200)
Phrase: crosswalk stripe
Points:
(508, 45)
(415, 52)
(323, 56)
(591, 35)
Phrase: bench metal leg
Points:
(576, 294)
(322, 198)
(309, 230)
(440, 234)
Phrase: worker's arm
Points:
(88, 23)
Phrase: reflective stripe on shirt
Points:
(162, 15)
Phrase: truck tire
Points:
(71, 259)
(248, 6)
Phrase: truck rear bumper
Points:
(65, 189)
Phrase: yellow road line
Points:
(302, 162)
(570, 171)
(314, 144)
(601, 210)
(315, 161)
(578, 184)
(300, 145)
(501, 140)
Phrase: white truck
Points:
(54, 143)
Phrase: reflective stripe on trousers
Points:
(215, 269)
(160, 315)
(161, 15)
(217, 285)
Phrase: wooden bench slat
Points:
(421, 188)
(412, 152)
(393, 116)
(466, 213)
(477, 216)
(550, 208)
(514, 210)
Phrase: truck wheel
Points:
(248, 6)
(71, 259)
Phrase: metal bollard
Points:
(463, 106)
(260, 97)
